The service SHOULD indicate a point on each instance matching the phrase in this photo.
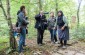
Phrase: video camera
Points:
(46, 12)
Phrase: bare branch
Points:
(78, 17)
(8, 10)
(3, 10)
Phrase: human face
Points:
(41, 12)
(51, 14)
(23, 9)
(59, 13)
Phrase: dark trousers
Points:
(53, 35)
(40, 36)
(63, 42)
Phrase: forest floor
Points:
(73, 48)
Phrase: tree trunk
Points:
(8, 18)
(56, 7)
(12, 38)
(40, 5)
(78, 17)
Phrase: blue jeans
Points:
(15, 33)
(22, 39)
(53, 35)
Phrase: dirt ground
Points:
(73, 48)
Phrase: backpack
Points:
(17, 18)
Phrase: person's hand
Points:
(62, 28)
(53, 28)
(45, 22)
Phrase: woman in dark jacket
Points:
(40, 26)
(63, 30)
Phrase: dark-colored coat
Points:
(41, 22)
(64, 34)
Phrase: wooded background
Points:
(73, 10)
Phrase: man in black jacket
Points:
(41, 25)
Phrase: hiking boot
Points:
(56, 42)
(24, 45)
(64, 47)
(40, 44)
(21, 53)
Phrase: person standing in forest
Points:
(17, 23)
(22, 23)
(52, 28)
(63, 30)
(41, 25)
